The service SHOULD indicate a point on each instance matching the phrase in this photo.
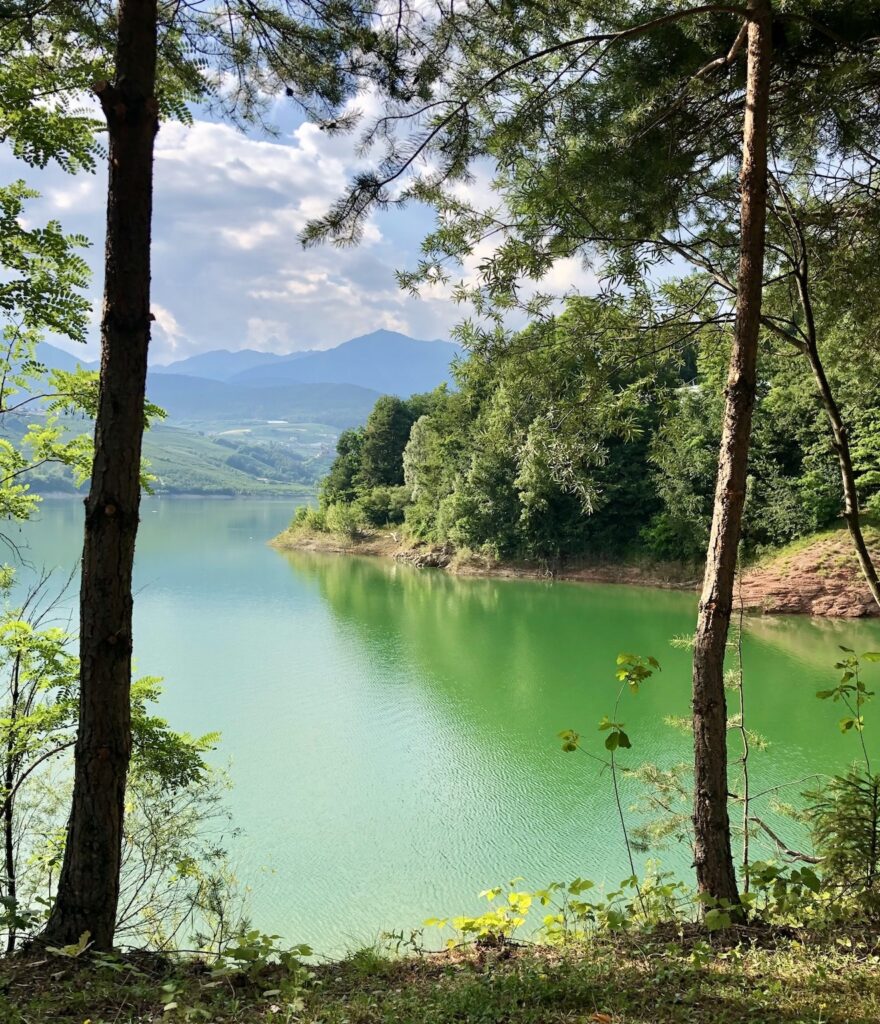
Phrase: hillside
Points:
(244, 422)
(186, 462)
(818, 575)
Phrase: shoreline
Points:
(175, 495)
(819, 578)
(665, 576)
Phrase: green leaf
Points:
(612, 741)
(717, 919)
(810, 879)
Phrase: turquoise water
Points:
(391, 733)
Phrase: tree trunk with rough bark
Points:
(88, 887)
(839, 432)
(713, 858)
(840, 435)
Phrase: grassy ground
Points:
(631, 981)
(870, 529)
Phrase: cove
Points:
(391, 733)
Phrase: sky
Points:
(229, 271)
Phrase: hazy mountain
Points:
(200, 402)
(58, 359)
(384, 361)
(220, 364)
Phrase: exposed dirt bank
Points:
(819, 576)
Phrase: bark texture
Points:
(712, 850)
(88, 887)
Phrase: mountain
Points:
(58, 359)
(196, 401)
(256, 422)
(384, 361)
(202, 403)
(220, 364)
(185, 462)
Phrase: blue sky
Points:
(228, 269)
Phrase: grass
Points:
(626, 981)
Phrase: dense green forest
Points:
(579, 439)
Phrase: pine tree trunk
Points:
(713, 856)
(851, 511)
(840, 436)
(88, 887)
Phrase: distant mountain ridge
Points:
(384, 361)
(205, 404)
(218, 364)
(209, 405)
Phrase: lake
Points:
(391, 733)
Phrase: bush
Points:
(308, 517)
(844, 818)
(342, 519)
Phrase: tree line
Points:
(740, 139)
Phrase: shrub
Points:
(308, 517)
(342, 519)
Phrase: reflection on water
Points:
(393, 732)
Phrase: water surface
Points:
(391, 733)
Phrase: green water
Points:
(391, 733)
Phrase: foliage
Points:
(171, 866)
(342, 519)
(43, 279)
(577, 438)
(381, 447)
(844, 814)
(845, 822)
(364, 485)
(666, 979)
(566, 914)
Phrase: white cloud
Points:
(167, 328)
(228, 268)
(77, 195)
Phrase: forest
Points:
(575, 441)
(659, 225)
